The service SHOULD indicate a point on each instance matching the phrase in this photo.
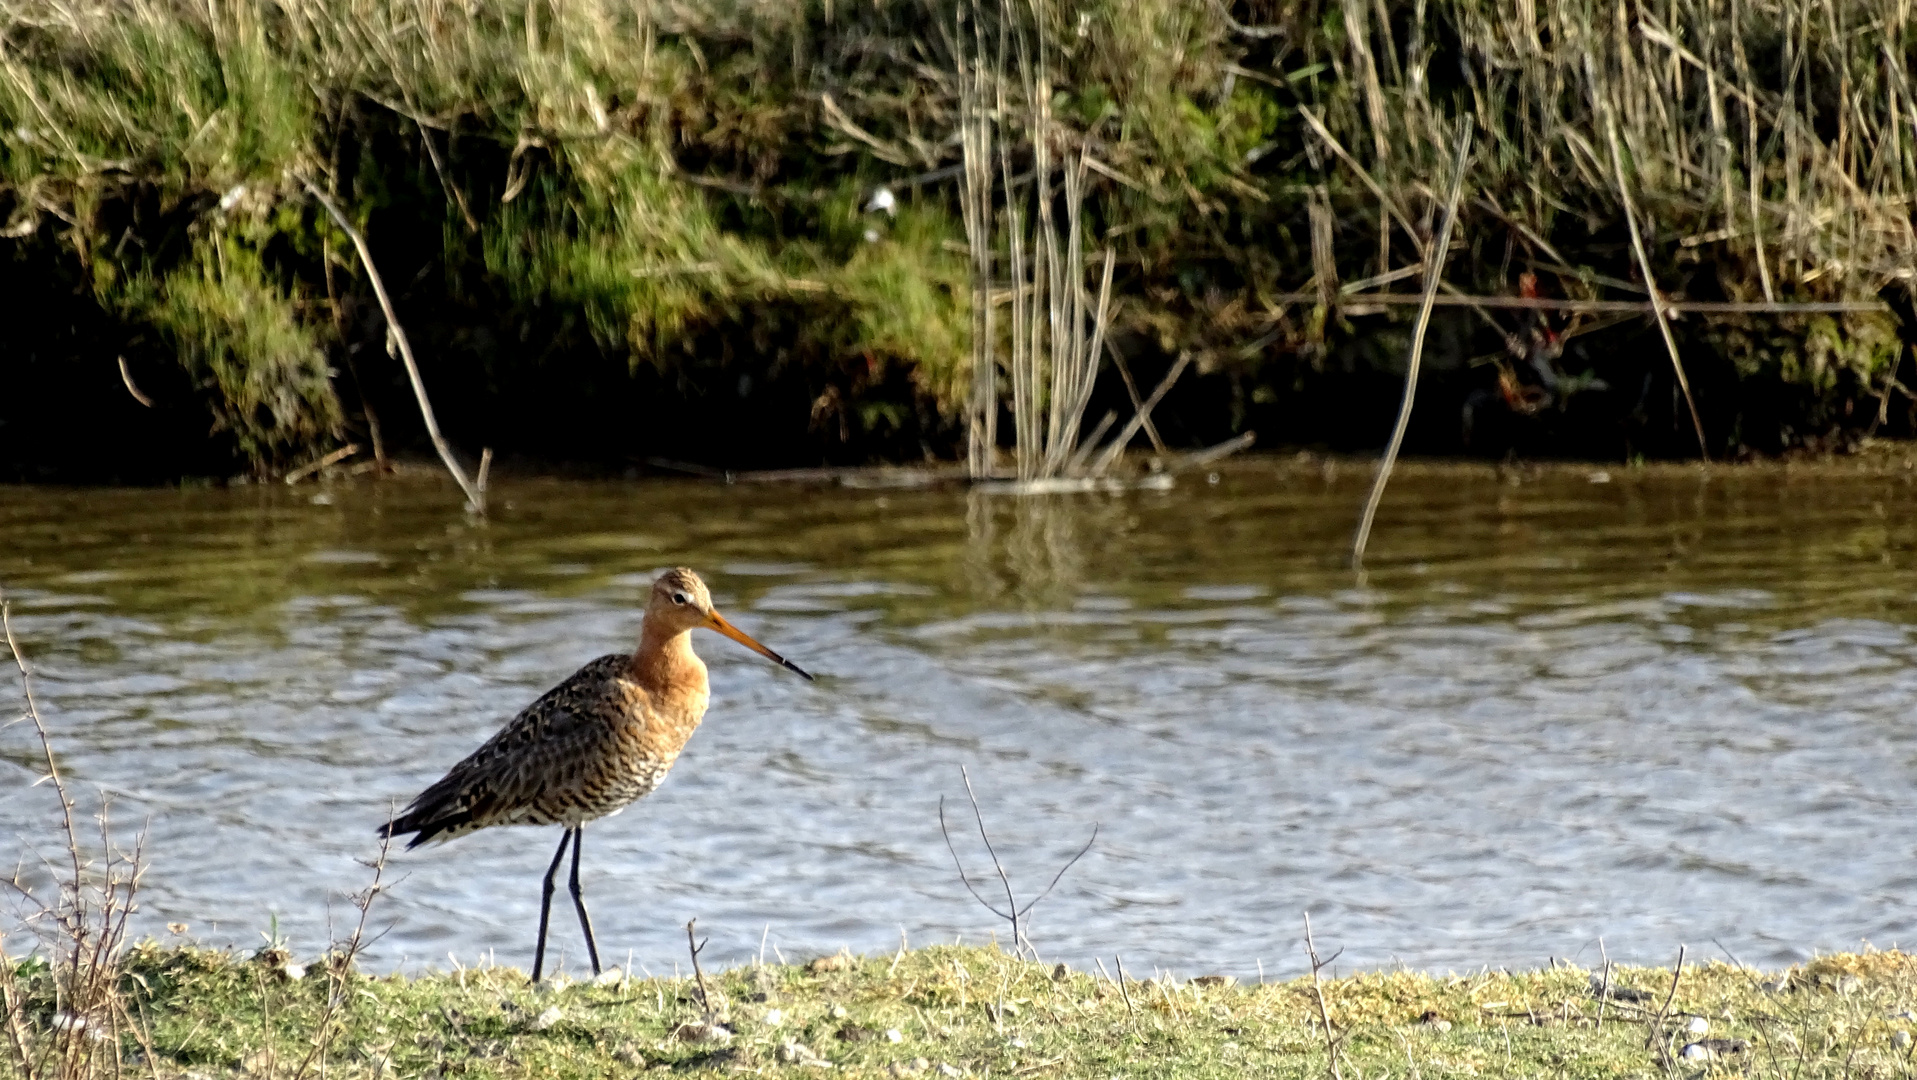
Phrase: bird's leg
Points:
(545, 903)
(579, 902)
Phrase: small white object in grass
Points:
(947, 1070)
(798, 1053)
(1849, 984)
(1017, 1043)
(1599, 477)
(1698, 1026)
(233, 195)
(699, 1032)
(1900, 1039)
(773, 1017)
(610, 977)
(871, 236)
(547, 1019)
(883, 199)
(893, 1035)
(1696, 1052)
(838, 1012)
(293, 971)
(1211, 478)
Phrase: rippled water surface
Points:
(1661, 709)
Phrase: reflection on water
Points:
(1660, 709)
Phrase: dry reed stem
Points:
(1104, 459)
(339, 964)
(699, 975)
(90, 933)
(1332, 1039)
(1434, 274)
(1650, 282)
(475, 492)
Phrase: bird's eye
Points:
(679, 598)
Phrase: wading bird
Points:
(590, 746)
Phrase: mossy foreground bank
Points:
(952, 1010)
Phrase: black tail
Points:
(423, 825)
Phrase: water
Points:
(1659, 710)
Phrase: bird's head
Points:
(680, 602)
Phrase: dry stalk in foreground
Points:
(84, 929)
(1332, 1038)
(1013, 913)
(339, 967)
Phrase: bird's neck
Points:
(664, 657)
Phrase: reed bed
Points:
(688, 189)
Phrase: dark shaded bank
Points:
(731, 233)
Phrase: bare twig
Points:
(1103, 459)
(1138, 403)
(1014, 913)
(333, 458)
(90, 922)
(1010, 902)
(1119, 962)
(1650, 282)
(339, 962)
(475, 493)
(1657, 1024)
(446, 182)
(1604, 988)
(126, 377)
(1332, 1039)
(1434, 273)
(698, 974)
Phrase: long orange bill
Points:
(719, 623)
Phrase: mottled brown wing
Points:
(527, 773)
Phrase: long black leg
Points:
(579, 902)
(545, 902)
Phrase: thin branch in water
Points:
(1650, 283)
(1434, 274)
(475, 493)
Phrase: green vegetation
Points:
(982, 1012)
(595, 209)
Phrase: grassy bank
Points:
(618, 229)
(952, 1010)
